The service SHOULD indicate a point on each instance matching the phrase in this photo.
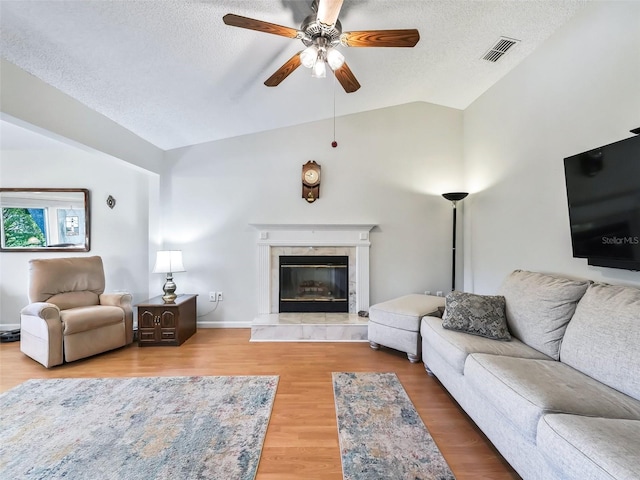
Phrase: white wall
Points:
(580, 90)
(29, 99)
(120, 236)
(389, 169)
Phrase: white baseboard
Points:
(224, 324)
(5, 327)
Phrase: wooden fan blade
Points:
(328, 11)
(381, 38)
(259, 25)
(346, 78)
(284, 71)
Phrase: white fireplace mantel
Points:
(312, 235)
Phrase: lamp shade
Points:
(455, 196)
(168, 261)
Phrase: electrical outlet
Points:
(219, 297)
(213, 296)
(439, 293)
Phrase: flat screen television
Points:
(603, 191)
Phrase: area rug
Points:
(135, 428)
(380, 432)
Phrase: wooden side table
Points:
(162, 323)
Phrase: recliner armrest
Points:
(44, 310)
(120, 299)
(41, 333)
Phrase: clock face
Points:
(311, 177)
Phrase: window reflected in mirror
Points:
(44, 219)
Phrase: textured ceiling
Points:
(174, 74)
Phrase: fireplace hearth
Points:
(317, 283)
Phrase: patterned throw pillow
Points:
(480, 315)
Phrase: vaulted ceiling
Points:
(174, 74)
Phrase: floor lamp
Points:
(454, 197)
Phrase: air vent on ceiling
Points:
(499, 49)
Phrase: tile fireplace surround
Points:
(274, 240)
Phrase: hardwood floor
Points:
(302, 440)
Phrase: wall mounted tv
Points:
(603, 191)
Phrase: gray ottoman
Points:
(396, 323)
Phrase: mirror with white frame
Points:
(44, 219)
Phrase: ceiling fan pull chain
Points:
(334, 144)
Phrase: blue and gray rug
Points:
(135, 428)
(381, 434)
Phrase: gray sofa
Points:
(561, 399)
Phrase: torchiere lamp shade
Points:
(455, 196)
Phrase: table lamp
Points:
(169, 262)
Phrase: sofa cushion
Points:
(588, 448)
(481, 315)
(539, 306)
(602, 338)
(525, 389)
(454, 347)
(405, 312)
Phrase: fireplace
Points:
(276, 240)
(317, 283)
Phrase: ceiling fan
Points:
(321, 33)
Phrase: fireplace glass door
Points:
(314, 283)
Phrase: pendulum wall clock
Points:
(311, 181)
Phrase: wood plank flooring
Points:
(302, 440)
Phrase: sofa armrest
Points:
(41, 333)
(122, 300)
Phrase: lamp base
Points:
(169, 289)
(170, 298)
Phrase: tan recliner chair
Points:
(70, 317)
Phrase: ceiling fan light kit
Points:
(315, 56)
(321, 33)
